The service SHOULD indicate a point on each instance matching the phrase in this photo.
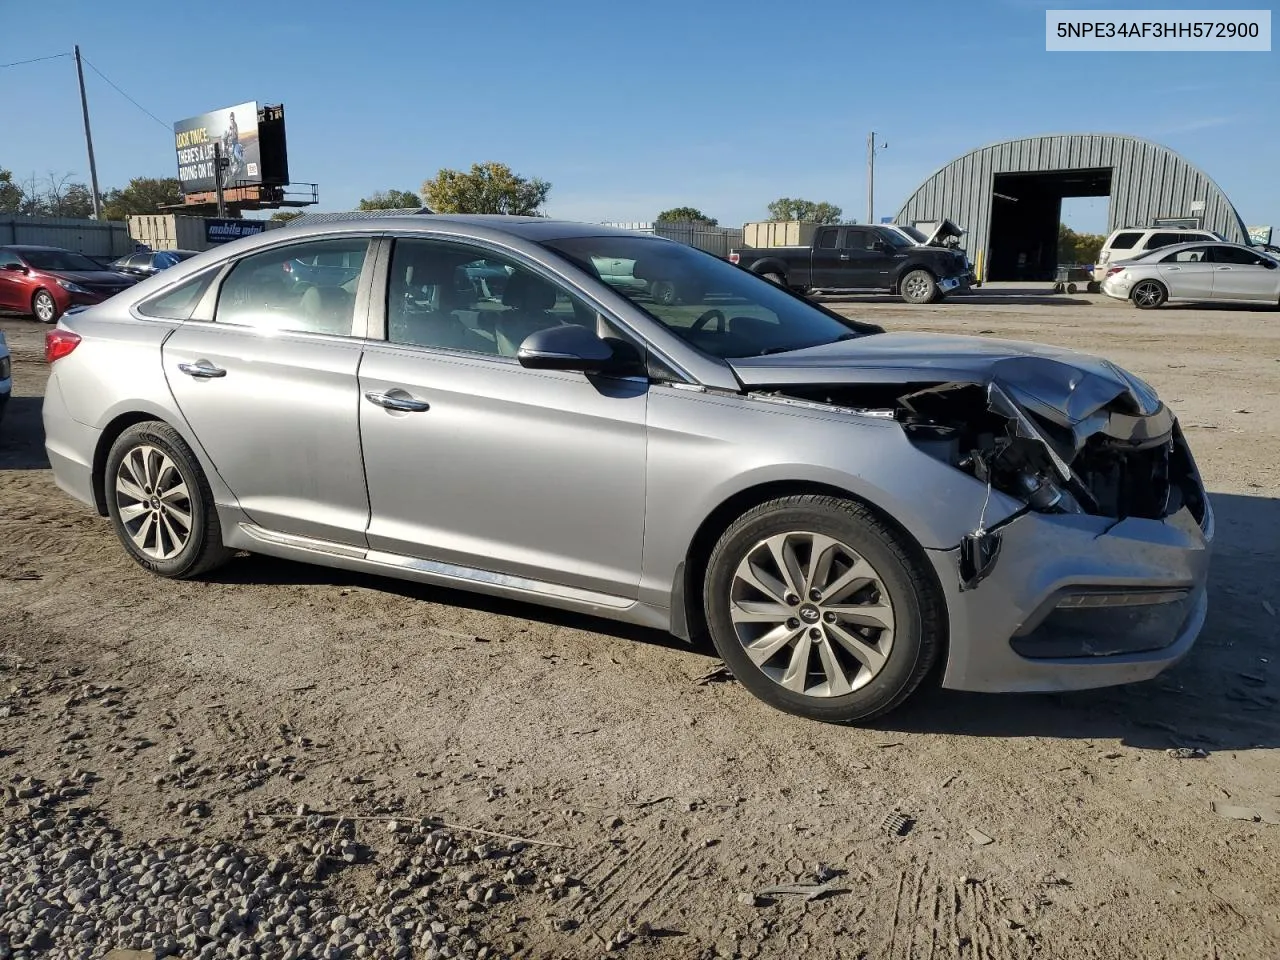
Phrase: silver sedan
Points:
(494, 404)
(1196, 272)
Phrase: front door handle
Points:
(1224, 268)
(844, 256)
(407, 404)
(203, 370)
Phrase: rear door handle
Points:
(844, 256)
(407, 404)
(1224, 268)
(202, 370)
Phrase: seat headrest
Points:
(527, 292)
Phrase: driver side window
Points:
(452, 296)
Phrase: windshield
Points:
(718, 308)
(58, 260)
(894, 237)
(917, 235)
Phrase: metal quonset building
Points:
(1008, 196)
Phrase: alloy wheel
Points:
(1146, 294)
(154, 502)
(812, 614)
(917, 287)
(44, 307)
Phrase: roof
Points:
(528, 228)
(308, 219)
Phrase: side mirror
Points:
(568, 347)
(15, 267)
(1269, 263)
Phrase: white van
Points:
(1135, 241)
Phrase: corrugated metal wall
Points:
(1148, 181)
(101, 238)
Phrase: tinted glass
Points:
(457, 297)
(59, 260)
(856, 239)
(1125, 241)
(916, 235)
(827, 239)
(1158, 240)
(178, 303)
(716, 307)
(1236, 255)
(892, 237)
(1195, 255)
(287, 289)
(7, 259)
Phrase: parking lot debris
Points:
(1186, 753)
(810, 891)
(1249, 814)
(897, 824)
(980, 838)
(718, 674)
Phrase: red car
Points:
(45, 282)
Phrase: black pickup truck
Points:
(865, 257)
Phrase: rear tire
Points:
(847, 632)
(1148, 294)
(919, 286)
(160, 503)
(43, 307)
(777, 278)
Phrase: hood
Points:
(96, 278)
(941, 233)
(1061, 385)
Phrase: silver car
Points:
(840, 509)
(1215, 272)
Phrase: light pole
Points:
(871, 174)
(88, 139)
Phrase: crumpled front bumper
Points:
(1046, 558)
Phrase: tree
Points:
(790, 209)
(687, 213)
(488, 188)
(142, 195)
(1078, 247)
(391, 200)
(10, 193)
(284, 216)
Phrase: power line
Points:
(125, 95)
(18, 63)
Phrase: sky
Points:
(626, 109)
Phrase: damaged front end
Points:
(1058, 439)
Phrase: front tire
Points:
(1148, 294)
(160, 503)
(919, 286)
(822, 609)
(43, 307)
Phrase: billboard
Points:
(1259, 236)
(224, 231)
(236, 129)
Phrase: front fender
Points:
(706, 449)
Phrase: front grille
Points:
(105, 290)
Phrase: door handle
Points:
(844, 256)
(407, 404)
(1224, 268)
(203, 370)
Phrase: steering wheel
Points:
(712, 314)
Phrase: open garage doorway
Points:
(1026, 209)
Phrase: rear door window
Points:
(1159, 240)
(1194, 255)
(1125, 241)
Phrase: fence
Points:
(694, 233)
(100, 238)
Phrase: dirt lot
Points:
(276, 685)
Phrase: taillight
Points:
(59, 343)
(1114, 270)
(733, 258)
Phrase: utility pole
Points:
(88, 139)
(218, 163)
(871, 175)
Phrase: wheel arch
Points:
(770, 265)
(687, 619)
(110, 433)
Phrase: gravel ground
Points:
(279, 761)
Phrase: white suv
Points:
(1135, 241)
